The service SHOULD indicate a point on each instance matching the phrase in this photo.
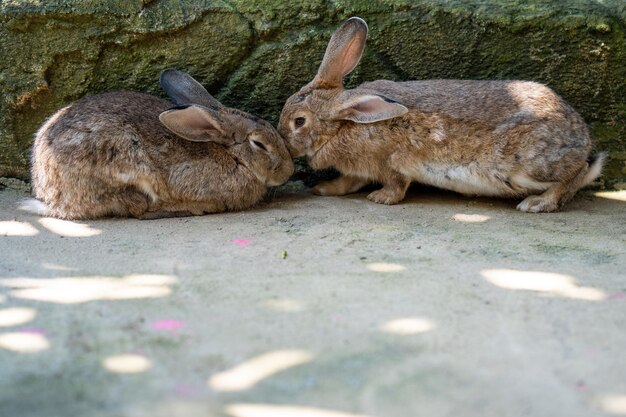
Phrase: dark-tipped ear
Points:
(184, 90)
(195, 123)
(343, 52)
(368, 108)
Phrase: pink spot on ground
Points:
(185, 390)
(171, 326)
(242, 242)
(617, 296)
(581, 386)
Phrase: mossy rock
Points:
(254, 54)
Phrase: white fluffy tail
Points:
(595, 168)
(34, 206)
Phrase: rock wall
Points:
(253, 54)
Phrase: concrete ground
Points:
(318, 307)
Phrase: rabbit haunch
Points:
(494, 138)
(131, 154)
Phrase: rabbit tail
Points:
(595, 167)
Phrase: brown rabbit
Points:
(492, 138)
(131, 154)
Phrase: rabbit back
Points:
(488, 137)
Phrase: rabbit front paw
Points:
(339, 186)
(386, 196)
(325, 188)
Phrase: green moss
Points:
(254, 54)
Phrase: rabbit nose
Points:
(291, 170)
(294, 152)
(286, 171)
(290, 149)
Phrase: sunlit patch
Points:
(612, 195)
(270, 410)
(409, 325)
(84, 289)
(613, 404)
(129, 293)
(24, 342)
(385, 267)
(15, 228)
(288, 305)
(470, 218)
(57, 267)
(151, 279)
(68, 228)
(545, 282)
(126, 364)
(249, 373)
(3, 298)
(16, 316)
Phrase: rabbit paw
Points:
(339, 186)
(324, 188)
(537, 204)
(385, 196)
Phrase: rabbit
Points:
(129, 154)
(488, 138)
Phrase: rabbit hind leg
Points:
(556, 195)
(84, 206)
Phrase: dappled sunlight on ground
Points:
(24, 341)
(470, 218)
(15, 228)
(68, 228)
(612, 195)
(249, 373)
(270, 410)
(385, 267)
(409, 310)
(84, 289)
(57, 267)
(408, 326)
(287, 305)
(549, 283)
(613, 404)
(130, 363)
(16, 316)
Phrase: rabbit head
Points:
(199, 117)
(313, 115)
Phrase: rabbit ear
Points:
(367, 108)
(343, 52)
(184, 90)
(196, 124)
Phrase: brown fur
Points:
(496, 138)
(108, 155)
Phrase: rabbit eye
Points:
(259, 145)
(299, 122)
